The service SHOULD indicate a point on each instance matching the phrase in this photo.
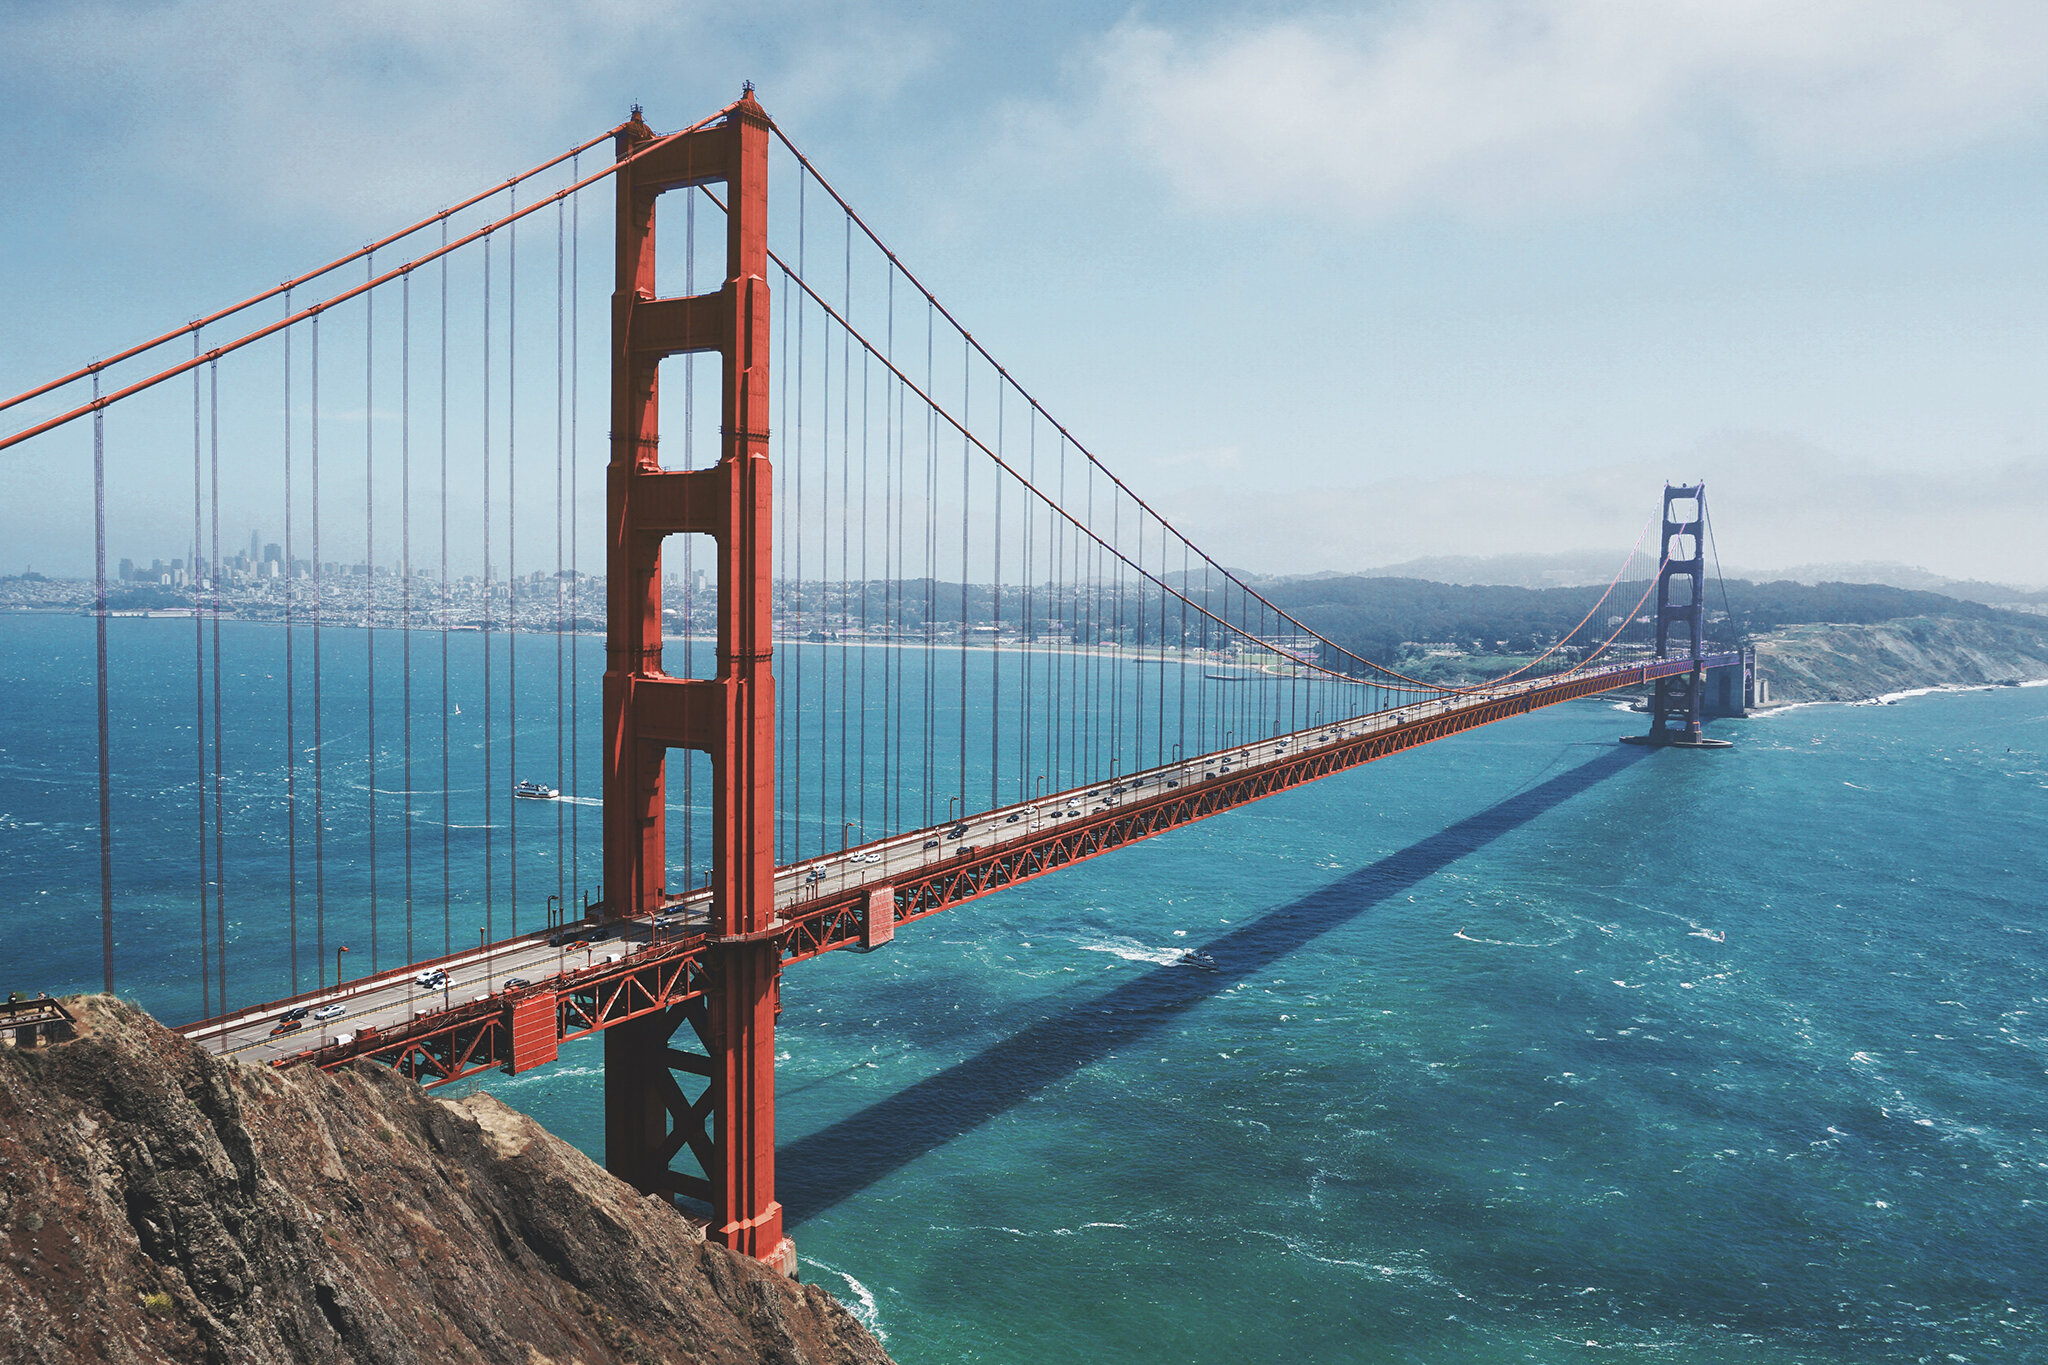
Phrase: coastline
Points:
(1777, 708)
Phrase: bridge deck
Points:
(614, 971)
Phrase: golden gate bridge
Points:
(998, 659)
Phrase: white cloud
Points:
(357, 112)
(1485, 106)
(379, 110)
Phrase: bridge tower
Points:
(1677, 704)
(728, 1127)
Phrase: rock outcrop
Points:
(157, 1204)
(1851, 662)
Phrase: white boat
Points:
(535, 791)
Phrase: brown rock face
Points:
(159, 1205)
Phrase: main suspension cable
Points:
(250, 338)
(288, 286)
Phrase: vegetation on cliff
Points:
(158, 1204)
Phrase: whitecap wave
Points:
(1131, 950)
(863, 1308)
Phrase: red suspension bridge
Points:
(930, 649)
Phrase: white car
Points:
(334, 1011)
(431, 980)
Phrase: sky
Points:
(1334, 286)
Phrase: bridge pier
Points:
(727, 1128)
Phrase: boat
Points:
(535, 791)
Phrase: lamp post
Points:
(337, 965)
(552, 921)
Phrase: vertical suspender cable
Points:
(1056, 714)
(866, 379)
(1027, 620)
(489, 785)
(1206, 653)
(931, 567)
(319, 721)
(966, 506)
(796, 671)
(220, 857)
(689, 549)
(370, 579)
(824, 553)
(199, 702)
(512, 559)
(1090, 769)
(561, 814)
(405, 576)
(575, 570)
(895, 423)
(1181, 748)
(1137, 670)
(99, 612)
(845, 503)
(892, 525)
(447, 605)
(995, 695)
(1159, 669)
(1118, 671)
(784, 827)
(291, 630)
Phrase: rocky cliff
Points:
(157, 1204)
(1850, 662)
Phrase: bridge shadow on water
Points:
(817, 1172)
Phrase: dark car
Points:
(956, 831)
(1013, 819)
(301, 1012)
(286, 1026)
(931, 843)
(513, 983)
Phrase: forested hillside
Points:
(1377, 617)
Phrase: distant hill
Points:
(1909, 576)
(1582, 568)
(1513, 571)
(1382, 619)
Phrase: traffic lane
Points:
(401, 1000)
(394, 1003)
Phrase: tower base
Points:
(1677, 739)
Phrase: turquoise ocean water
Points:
(1525, 1046)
